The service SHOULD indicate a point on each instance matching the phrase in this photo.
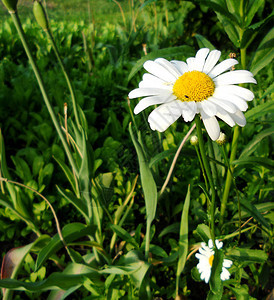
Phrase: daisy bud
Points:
(194, 140)
(10, 5)
(40, 15)
(222, 139)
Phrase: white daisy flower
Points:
(206, 257)
(198, 86)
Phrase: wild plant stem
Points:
(147, 240)
(21, 34)
(208, 174)
(73, 98)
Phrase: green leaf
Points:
(124, 235)
(264, 54)
(246, 255)
(182, 51)
(250, 161)
(147, 180)
(241, 292)
(70, 232)
(260, 110)
(160, 156)
(262, 207)
(78, 203)
(215, 282)
(203, 231)
(71, 178)
(251, 146)
(253, 211)
(203, 42)
(173, 228)
(253, 7)
(183, 239)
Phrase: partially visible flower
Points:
(206, 257)
(194, 140)
(199, 86)
(221, 140)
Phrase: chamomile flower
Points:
(206, 257)
(199, 86)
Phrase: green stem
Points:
(201, 165)
(21, 34)
(73, 98)
(209, 175)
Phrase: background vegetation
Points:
(100, 43)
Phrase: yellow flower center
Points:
(193, 86)
(210, 260)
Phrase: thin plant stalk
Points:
(175, 159)
(236, 134)
(21, 34)
(72, 93)
(208, 174)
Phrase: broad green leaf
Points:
(253, 211)
(14, 258)
(182, 51)
(260, 110)
(70, 232)
(215, 282)
(124, 235)
(183, 239)
(203, 231)
(246, 255)
(78, 203)
(251, 146)
(250, 161)
(203, 42)
(264, 54)
(147, 180)
(262, 207)
(252, 8)
(241, 293)
(160, 156)
(71, 178)
(72, 276)
(173, 228)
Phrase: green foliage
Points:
(121, 238)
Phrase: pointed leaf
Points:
(246, 255)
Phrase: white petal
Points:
(151, 81)
(188, 111)
(219, 244)
(225, 274)
(207, 275)
(200, 59)
(181, 66)
(165, 115)
(222, 67)
(227, 263)
(209, 108)
(244, 93)
(226, 105)
(191, 63)
(234, 77)
(142, 92)
(153, 100)
(239, 118)
(159, 71)
(169, 66)
(225, 116)
(210, 243)
(212, 126)
(211, 60)
(237, 101)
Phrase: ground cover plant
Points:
(105, 197)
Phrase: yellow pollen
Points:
(193, 86)
(210, 260)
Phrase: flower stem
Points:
(21, 34)
(147, 240)
(51, 39)
(208, 174)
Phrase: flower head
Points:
(206, 257)
(199, 86)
